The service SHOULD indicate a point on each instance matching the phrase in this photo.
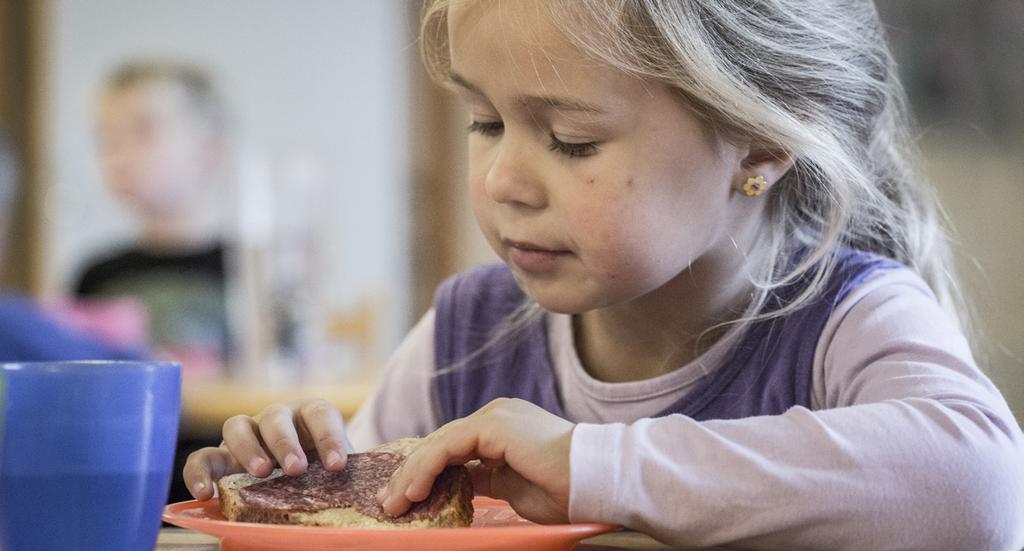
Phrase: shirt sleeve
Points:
(909, 446)
(404, 402)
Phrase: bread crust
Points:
(456, 512)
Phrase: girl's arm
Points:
(403, 403)
(917, 450)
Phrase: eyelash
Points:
(575, 150)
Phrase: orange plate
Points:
(495, 527)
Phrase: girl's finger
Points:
(277, 430)
(500, 482)
(525, 497)
(322, 421)
(206, 466)
(241, 437)
(480, 474)
(415, 478)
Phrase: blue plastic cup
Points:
(86, 453)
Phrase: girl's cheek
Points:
(482, 208)
(477, 190)
(480, 151)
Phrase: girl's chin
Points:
(556, 298)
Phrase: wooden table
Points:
(179, 539)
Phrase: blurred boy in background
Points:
(161, 134)
(27, 333)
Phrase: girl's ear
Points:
(760, 169)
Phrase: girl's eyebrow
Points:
(559, 103)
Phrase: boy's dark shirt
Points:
(184, 294)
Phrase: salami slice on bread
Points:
(346, 499)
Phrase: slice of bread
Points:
(449, 505)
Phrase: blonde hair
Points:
(202, 95)
(812, 78)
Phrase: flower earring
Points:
(755, 186)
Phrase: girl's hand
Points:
(524, 459)
(281, 434)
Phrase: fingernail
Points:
(387, 503)
(198, 488)
(255, 464)
(333, 459)
(290, 460)
(382, 494)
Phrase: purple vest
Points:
(767, 372)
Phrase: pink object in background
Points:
(120, 322)
(198, 363)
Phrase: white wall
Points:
(319, 77)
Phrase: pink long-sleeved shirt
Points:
(907, 444)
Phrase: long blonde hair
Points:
(813, 78)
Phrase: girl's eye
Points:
(486, 128)
(573, 149)
(492, 129)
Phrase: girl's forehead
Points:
(516, 47)
(519, 24)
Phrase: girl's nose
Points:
(513, 177)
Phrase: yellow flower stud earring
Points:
(755, 186)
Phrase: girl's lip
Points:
(530, 257)
(532, 247)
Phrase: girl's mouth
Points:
(532, 258)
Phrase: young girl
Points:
(725, 314)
